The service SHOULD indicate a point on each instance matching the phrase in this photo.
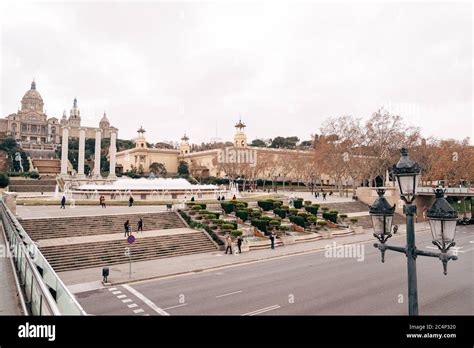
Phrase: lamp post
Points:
(441, 215)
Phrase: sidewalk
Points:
(9, 304)
(89, 279)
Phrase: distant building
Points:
(30, 125)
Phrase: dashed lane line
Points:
(230, 293)
(180, 305)
(133, 305)
(127, 300)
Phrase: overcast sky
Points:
(195, 66)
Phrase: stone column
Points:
(112, 152)
(98, 137)
(82, 149)
(64, 151)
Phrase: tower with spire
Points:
(184, 147)
(240, 138)
(140, 141)
(75, 115)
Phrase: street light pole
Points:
(409, 210)
(442, 223)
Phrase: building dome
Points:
(32, 99)
(104, 122)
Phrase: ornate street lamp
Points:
(441, 215)
(381, 213)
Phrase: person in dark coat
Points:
(140, 225)
(272, 239)
(63, 202)
(130, 201)
(126, 226)
(239, 244)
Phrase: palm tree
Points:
(158, 169)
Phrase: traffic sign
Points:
(130, 239)
(127, 252)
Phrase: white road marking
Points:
(136, 311)
(471, 241)
(133, 305)
(230, 293)
(127, 300)
(112, 289)
(116, 292)
(262, 310)
(146, 300)
(121, 296)
(181, 305)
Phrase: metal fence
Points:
(43, 290)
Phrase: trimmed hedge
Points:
(227, 226)
(274, 222)
(311, 209)
(330, 216)
(4, 180)
(265, 205)
(297, 220)
(242, 214)
(227, 207)
(280, 212)
(293, 211)
(260, 224)
(298, 203)
(194, 224)
(236, 233)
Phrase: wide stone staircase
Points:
(47, 228)
(81, 253)
(32, 185)
(47, 166)
(87, 255)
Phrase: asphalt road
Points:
(308, 284)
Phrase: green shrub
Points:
(333, 212)
(194, 224)
(277, 204)
(325, 209)
(322, 223)
(316, 206)
(209, 216)
(197, 207)
(297, 220)
(353, 220)
(4, 180)
(265, 205)
(236, 233)
(260, 224)
(330, 217)
(312, 219)
(307, 202)
(227, 226)
(274, 223)
(311, 209)
(240, 206)
(285, 207)
(204, 211)
(255, 214)
(280, 212)
(242, 214)
(217, 221)
(343, 217)
(298, 203)
(293, 211)
(34, 175)
(303, 215)
(283, 228)
(227, 207)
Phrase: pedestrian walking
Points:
(130, 201)
(102, 202)
(140, 225)
(126, 227)
(228, 244)
(239, 244)
(63, 203)
(272, 239)
(324, 196)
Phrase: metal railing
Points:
(449, 190)
(43, 291)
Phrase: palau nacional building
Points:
(40, 136)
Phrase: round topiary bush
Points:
(4, 180)
(313, 219)
(274, 223)
(293, 211)
(265, 205)
(196, 207)
(242, 214)
(227, 226)
(325, 209)
(298, 203)
(280, 212)
(307, 202)
(311, 209)
(297, 220)
(322, 223)
(236, 233)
